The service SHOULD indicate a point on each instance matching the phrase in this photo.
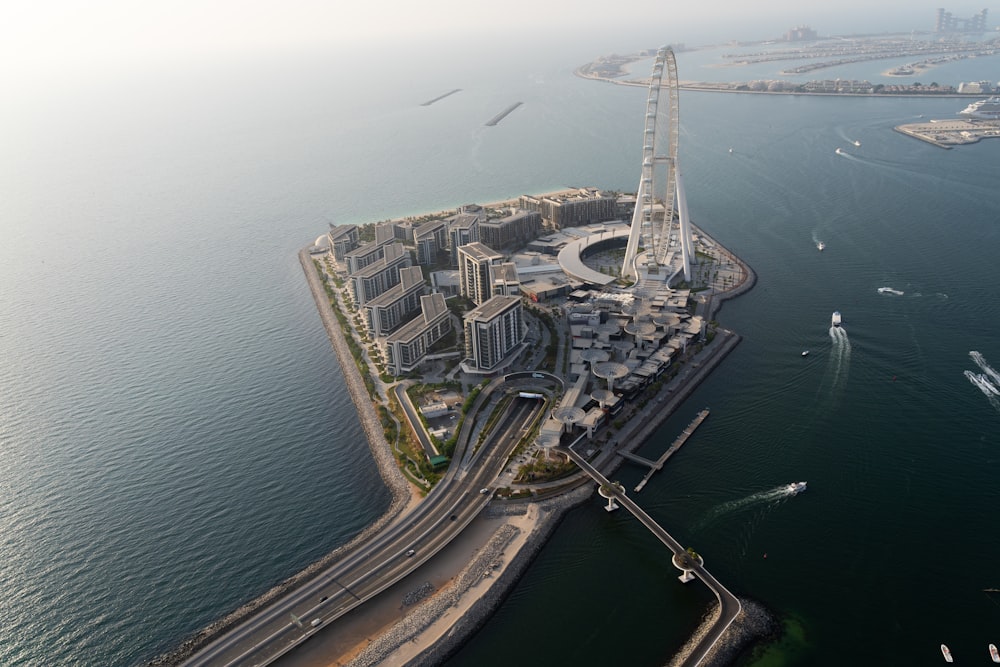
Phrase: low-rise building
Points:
(343, 239)
(407, 347)
(494, 331)
(397, 305)
(380, 275)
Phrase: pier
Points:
(440, 97)
(503, 114)
(658, 464)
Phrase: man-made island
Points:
(475, 385)
(504, 359)
(817, 54)
(595, 369)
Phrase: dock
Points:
(440, 97)
(503, 114)
(658, 464)
(951, 132)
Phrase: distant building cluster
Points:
(978, 87)
(946, 22)
(838, 86)
(801, 33)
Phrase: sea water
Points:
(176, 437)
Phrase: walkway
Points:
(729, 605)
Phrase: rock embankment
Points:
(488, 561)
(381, 452)
(755, 623)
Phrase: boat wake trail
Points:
(988, 381)
(763, 499)
(840, 355)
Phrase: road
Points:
(377, 564)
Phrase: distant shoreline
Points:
(709, 87)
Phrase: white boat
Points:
(820, 246)
(839, 152)
(805, 353)
(857, 143)
(988, 109)
(889, 290)
(730, 150)
(835, 318)
(796, 487)
(993, 653)
(946, 653)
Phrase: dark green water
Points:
(175, 436)
(886, 555)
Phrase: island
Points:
(505, 360)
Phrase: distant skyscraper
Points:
(946, 22)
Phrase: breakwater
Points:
(503, 114)
(440, 97)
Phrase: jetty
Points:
(503, 114)
(658, 463)
(440, 97)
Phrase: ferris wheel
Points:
(660, 196)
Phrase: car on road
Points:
(484, 491)
(410, 552)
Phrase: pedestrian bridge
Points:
(729, 605)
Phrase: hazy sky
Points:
(40, 35)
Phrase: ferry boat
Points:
(835, 319)
(993, 653)
(946, 653)
(796, 487)
(988, 109)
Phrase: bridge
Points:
(729, 606)
(658, 464)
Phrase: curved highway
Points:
(382, 561)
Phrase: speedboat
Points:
(805, 353)
(889, 290)
(796, 487)
(993, 653)
(857, 143)
(820, 246)
(839, 152)
(946, 653)
(835, 319)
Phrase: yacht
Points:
(796, 487)
(988, 109)
(993, 653)
(835, 319)
(946, 653)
